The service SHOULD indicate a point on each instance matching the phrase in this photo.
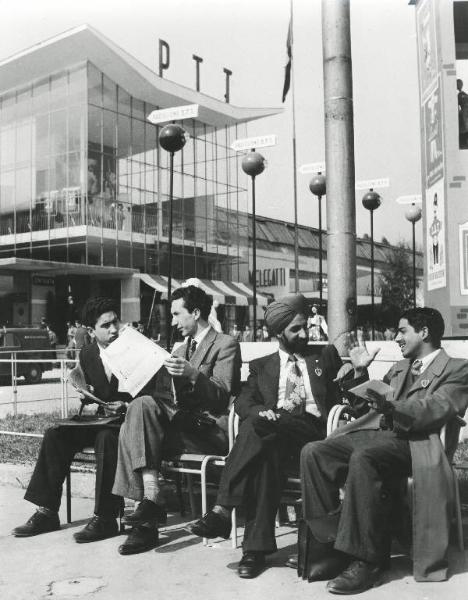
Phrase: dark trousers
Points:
(369, 462)
(255, 471)
(59, 446)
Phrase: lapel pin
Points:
(425, 383)
(318, 371)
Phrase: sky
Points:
(249, 38)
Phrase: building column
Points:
(130, 299)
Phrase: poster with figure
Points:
(435, 236)
(434, 155)
(427, 46)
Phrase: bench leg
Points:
(193, 505)
(68, 496)
(180, 496)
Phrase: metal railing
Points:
(17, 393)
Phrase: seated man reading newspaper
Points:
(62, 441)
(204, 372)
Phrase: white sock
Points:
(151, 490)
(46, 511)
(222, 510)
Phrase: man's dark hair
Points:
(426, 317)
(95, 307)
(194, 297)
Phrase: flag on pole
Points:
(287, 68)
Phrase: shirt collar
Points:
(200, 336)
(284, 356)
(427, 360)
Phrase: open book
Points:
(373, 384)
(133, 359)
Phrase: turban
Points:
(280, 313)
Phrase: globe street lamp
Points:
(172, 138)
(413, 214)
(371, 201)
(318, 187)
(253, 164)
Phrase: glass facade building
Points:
(82, 179)
(84, 183)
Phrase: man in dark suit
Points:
(61, 443)
(284, 405)
(349, 543)
(204, 372)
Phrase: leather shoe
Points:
(358, 577)
(251, 565)
(292, 561)
(97, 529)
(327, 568)
(146, 511)
(38, 523)
(140, 539)
(212, 525)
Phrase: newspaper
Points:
(133, 359)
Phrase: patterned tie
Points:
(416, 367)
(191, 347)
(294, 395)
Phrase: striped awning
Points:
(224, 292)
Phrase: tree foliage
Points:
(396, 283)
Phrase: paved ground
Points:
(53, 566)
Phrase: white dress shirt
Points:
(285, 366)
(427, 360)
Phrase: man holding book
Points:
(349, 544)
(203, 373)
(62, 441)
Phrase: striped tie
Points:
(416, 367)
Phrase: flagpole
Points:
(296, 232)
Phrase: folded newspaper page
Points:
(374, 384)
(133, 359)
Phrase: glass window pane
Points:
(74, 173)
(94, 86)
(58, 132)
(110, 94)
(40, 98)
(110, 131)
(42, 135)
(94, 128)
(23, 104)
(124, 136)
(75, 128)
(124, 102)
(23, 143)
(77, 86)
(58, 91)
(7, 146)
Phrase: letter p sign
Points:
(164, 56)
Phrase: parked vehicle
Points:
(28, 343)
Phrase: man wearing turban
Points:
(284, 405)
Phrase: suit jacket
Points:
(261, 391)
(436, 397)
(218, 361)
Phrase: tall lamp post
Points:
(413, 214)
(172, 138)
(371, 201)
(318, 187)
(253, 164)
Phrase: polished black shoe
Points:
(140, 539)
(97, 529)
(251, 565)
(291, 561)
(38, 523)
(328, 567)
(146, 511)
(358, 577)
(212, 525)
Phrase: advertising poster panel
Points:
(435, 236)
